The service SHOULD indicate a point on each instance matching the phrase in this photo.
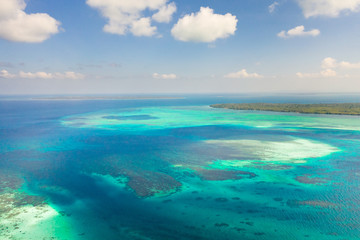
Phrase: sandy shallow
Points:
(294, 151)
(27, 216)
(30, 222)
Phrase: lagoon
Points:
(176, 169)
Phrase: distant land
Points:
(106, 98)
(336, 108)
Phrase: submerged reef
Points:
(317, 203)
(221, 175)
(308, 179)
(149, 183)
(9, 181)
(310, 203)
(21, 212)
(11, 192)
(143, 181)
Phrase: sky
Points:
(173, 46)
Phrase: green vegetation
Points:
(336, 108)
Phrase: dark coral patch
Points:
(148, 183)
(23, 199)
(221, 225)
(311, 203)
(9, 180)
(221, 199)
(145, 183)
(317, 203)
(221, 175)
(307, 179)
(239, 229)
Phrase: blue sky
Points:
(188, 46)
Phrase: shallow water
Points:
(175, 169)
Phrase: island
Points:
(334, 108)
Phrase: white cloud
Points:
(273, 6)
(329, 64)
(298, 31)
(128, 15)
(142, 27)
(328, 73)
(333, 63)
(348, 65)
(204, 26)
(243, 74)
(18, 26)
(42, 75)
(322, 74)
(6, 74)
(165, 13)
(329, 8)
(164, 76)
(69, 75)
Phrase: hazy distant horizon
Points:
(285, 93)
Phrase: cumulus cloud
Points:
(349, 65)
(298, 31)
(329, 8)
(329, 64)
(333, 63)
(273, 6)
(6, 74)
(124, 15)
(18, 26)
(328, 73)
(142, 27)
(324, 73)
(42, 75)
(243, 74)
(165, 13)
(164, 76)
(69, 75)
(204, 26)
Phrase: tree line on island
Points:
(334, 108)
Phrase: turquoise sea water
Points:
(177, 169)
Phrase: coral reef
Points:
(221, 175)
(149, 183)
(307, 179)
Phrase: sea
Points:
(170, 167)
